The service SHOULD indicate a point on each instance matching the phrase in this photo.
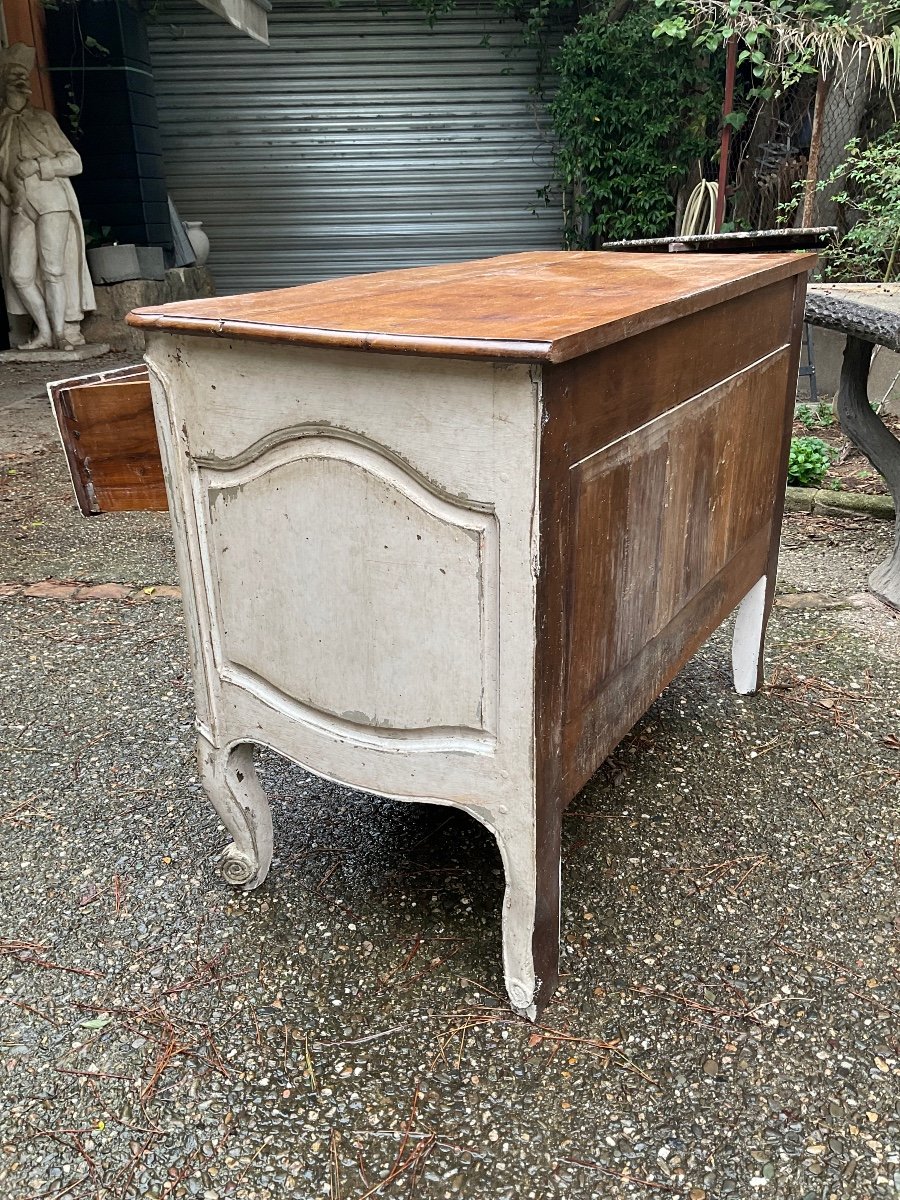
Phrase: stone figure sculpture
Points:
(42, 251)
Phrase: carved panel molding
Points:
(381, 594)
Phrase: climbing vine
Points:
(632, 110)
(633, 113)
(780, 40)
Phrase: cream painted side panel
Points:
(395, 653)
(380, 595)
(457, 422)
(358, 551)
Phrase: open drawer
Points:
(109, 436)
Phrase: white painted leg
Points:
(530, 918)
(747, 646)
(229, 778)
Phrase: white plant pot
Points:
(199, 241)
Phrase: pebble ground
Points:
(728, 1022)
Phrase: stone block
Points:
(116, 264)
(839, 503)
(115, 301)
(798, 499)
(103, 591)
(76, 355)
(51, 589)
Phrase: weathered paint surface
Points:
(460, 582)
(378, 563)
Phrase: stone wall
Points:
(115, 301)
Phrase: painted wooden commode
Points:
(445, 534)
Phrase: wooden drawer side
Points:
(109, 437)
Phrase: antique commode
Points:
(444, 534)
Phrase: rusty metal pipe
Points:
(727, 103)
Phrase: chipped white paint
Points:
(356, 540)
(747, 644)
(231, 785)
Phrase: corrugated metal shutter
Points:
(359, 140)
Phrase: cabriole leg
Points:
(229, 778)
(531, 863)
(749, 639)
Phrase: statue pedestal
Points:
(77, 354)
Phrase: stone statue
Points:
(42, 253)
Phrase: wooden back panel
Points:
(662, 464)
(674, 501)
(109, 437)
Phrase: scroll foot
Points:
(229, 778)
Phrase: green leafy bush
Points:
(810, 459)
(870, 250)
(822, 415)
(632, 114)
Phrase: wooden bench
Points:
(869, 314)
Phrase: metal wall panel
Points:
(359, 140)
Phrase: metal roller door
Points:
(359, 140)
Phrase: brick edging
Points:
(79, 590)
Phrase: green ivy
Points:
(641, 81)
(781, 40)
(633, 113)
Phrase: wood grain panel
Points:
(538, 307)
(593, 682)
(617, 389)
(110, 440)
(658, 514)
(592, 733)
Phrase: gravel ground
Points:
(42, 533)
(728, 1021)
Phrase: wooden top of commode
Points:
(536, 307)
